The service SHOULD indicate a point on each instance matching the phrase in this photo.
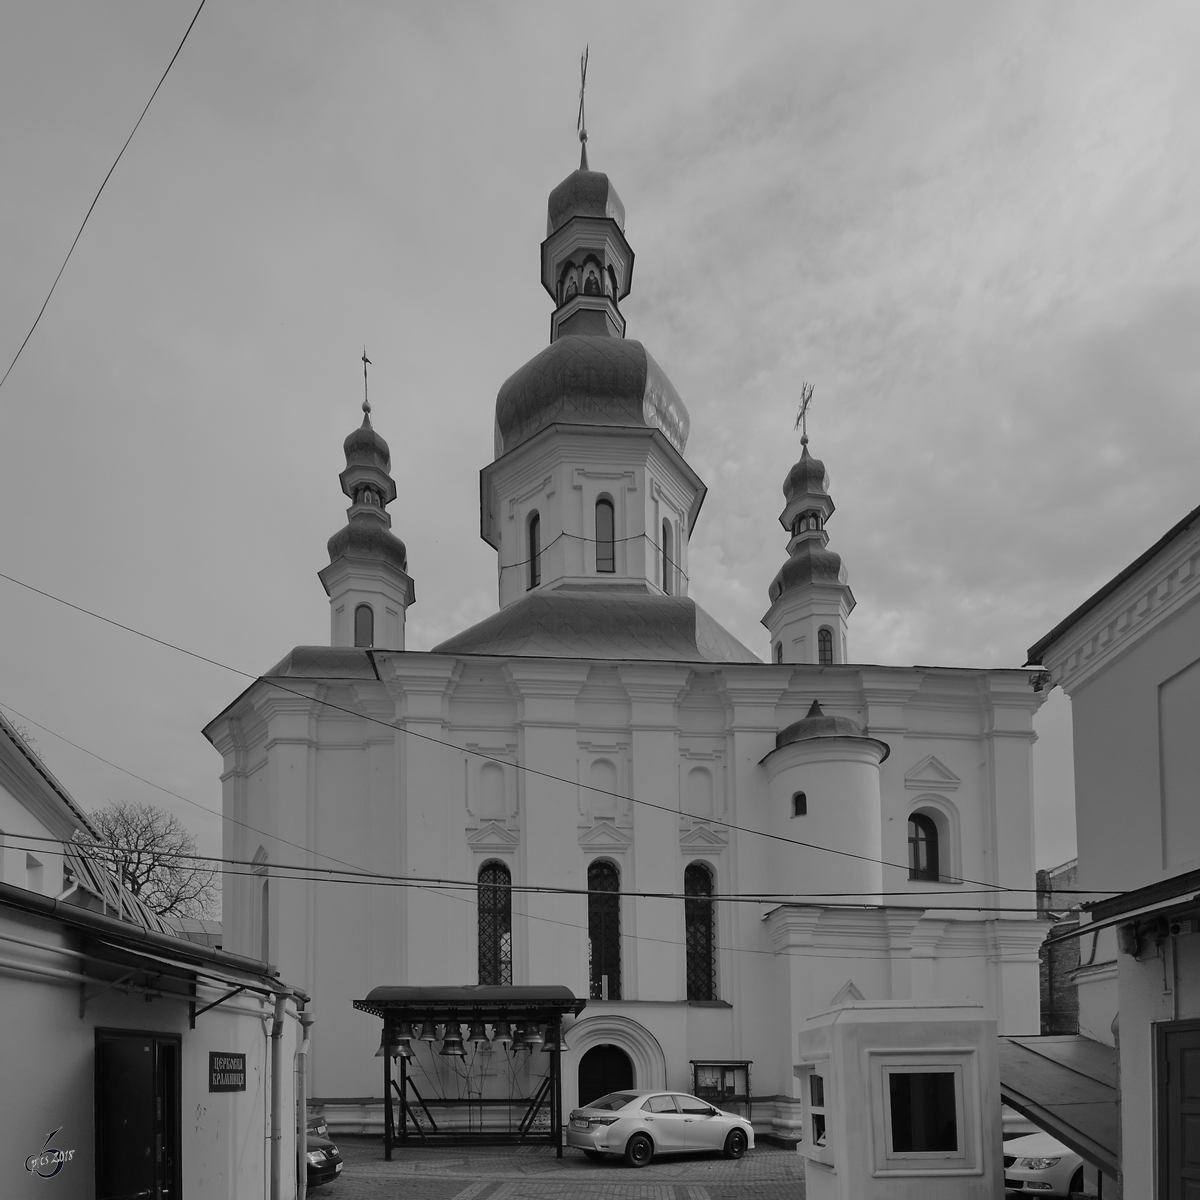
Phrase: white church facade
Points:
(599, 786)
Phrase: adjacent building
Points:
(599, 786)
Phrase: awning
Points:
(472, 1002)
(1066, 1085)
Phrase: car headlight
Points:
(1038, 1164)
(316, 1157)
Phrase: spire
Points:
(367, 579)
(810, 596)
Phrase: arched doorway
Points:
(604, 1069)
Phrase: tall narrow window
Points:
(922, 848)
(606, 556)
(364, 626)
(668, 558)
(825, 647)
(495, 924)
(699, 933)
(535, 550)
(264, 928)
(604, 931)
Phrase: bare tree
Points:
(155, 857)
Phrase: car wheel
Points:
(639, 1150)
(594, 1155)
(1076, 1182)
(735, 1144)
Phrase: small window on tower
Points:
(606, 558)
(779, 652)
(364, 626)
(535, 550)
(825, 647)
(668, 564)
(799, 804)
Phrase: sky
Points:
(971, 227)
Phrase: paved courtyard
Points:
(533, 1173)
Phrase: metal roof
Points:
(1066, 1085)
(476, 999)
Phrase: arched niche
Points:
(649, 1062)
(944, 814)
(699, 793)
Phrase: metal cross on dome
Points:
(580, 124)
(366, 402)
(806, 395)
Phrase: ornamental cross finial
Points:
(580, 124)
(366, 402)
(806, 395)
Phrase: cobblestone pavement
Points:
(533, 1173)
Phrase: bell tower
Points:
(367, 579)
(810, 597)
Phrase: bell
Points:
(383, 1041)
(452, 1043)
(519, 1037)
(427, 1033)
(402, 1048)
(391, 1044)
(477, 1035)
(562, 1046)
(502, 1033)
(404, 1031)
(533, 1037)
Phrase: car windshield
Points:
(612, 1101)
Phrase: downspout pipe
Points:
(281, 999)
(306, 1020)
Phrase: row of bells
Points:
(397, 1040)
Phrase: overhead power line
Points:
(97, 195)
(524, 768)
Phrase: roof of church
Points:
(368, 539)
(810, 562)
(613, 624)
(584, 194)
(806, 478)
(817, 725)
(589, 380)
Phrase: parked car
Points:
(640, 1125)
(1039, 1165)
(324, 1158)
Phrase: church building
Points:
(599, 786)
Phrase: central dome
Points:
(581, 380)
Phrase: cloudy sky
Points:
(972, 227)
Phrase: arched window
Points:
(495, 924)
(604, 931)
(922, 848)
(264, 928)
(535, 550)
(799, 804)
(825, 647)
(606, 553)
(700, 935)
(668, 564)
(364, 626)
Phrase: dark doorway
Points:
(1179, 1109)
(137, 1115)
(604, 1069)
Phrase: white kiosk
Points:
(901, 1101)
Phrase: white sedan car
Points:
(1039, 1165)
(640, 1125)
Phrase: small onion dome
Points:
(584, 194)
(817, 725)
(810, 563)
(364, 447)
(368, 539)
(586, 380)
(807, 478)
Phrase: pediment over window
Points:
(492, 835)
(846, 994)
(604, 835)
(931, 775)
(704, 835)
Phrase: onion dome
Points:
(366, 539)
(584, 193)
(580, 380)
(808, 477)
(809, 563)
(817, 725)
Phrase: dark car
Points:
(324, 1158)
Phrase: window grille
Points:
(604, 931)
(495, 924)
(699, 933)
(825, 647)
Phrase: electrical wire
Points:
(97, 195)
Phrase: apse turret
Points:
(367, 579)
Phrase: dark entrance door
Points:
(1179, 1109)
(604, 1069)
(137, 1116)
